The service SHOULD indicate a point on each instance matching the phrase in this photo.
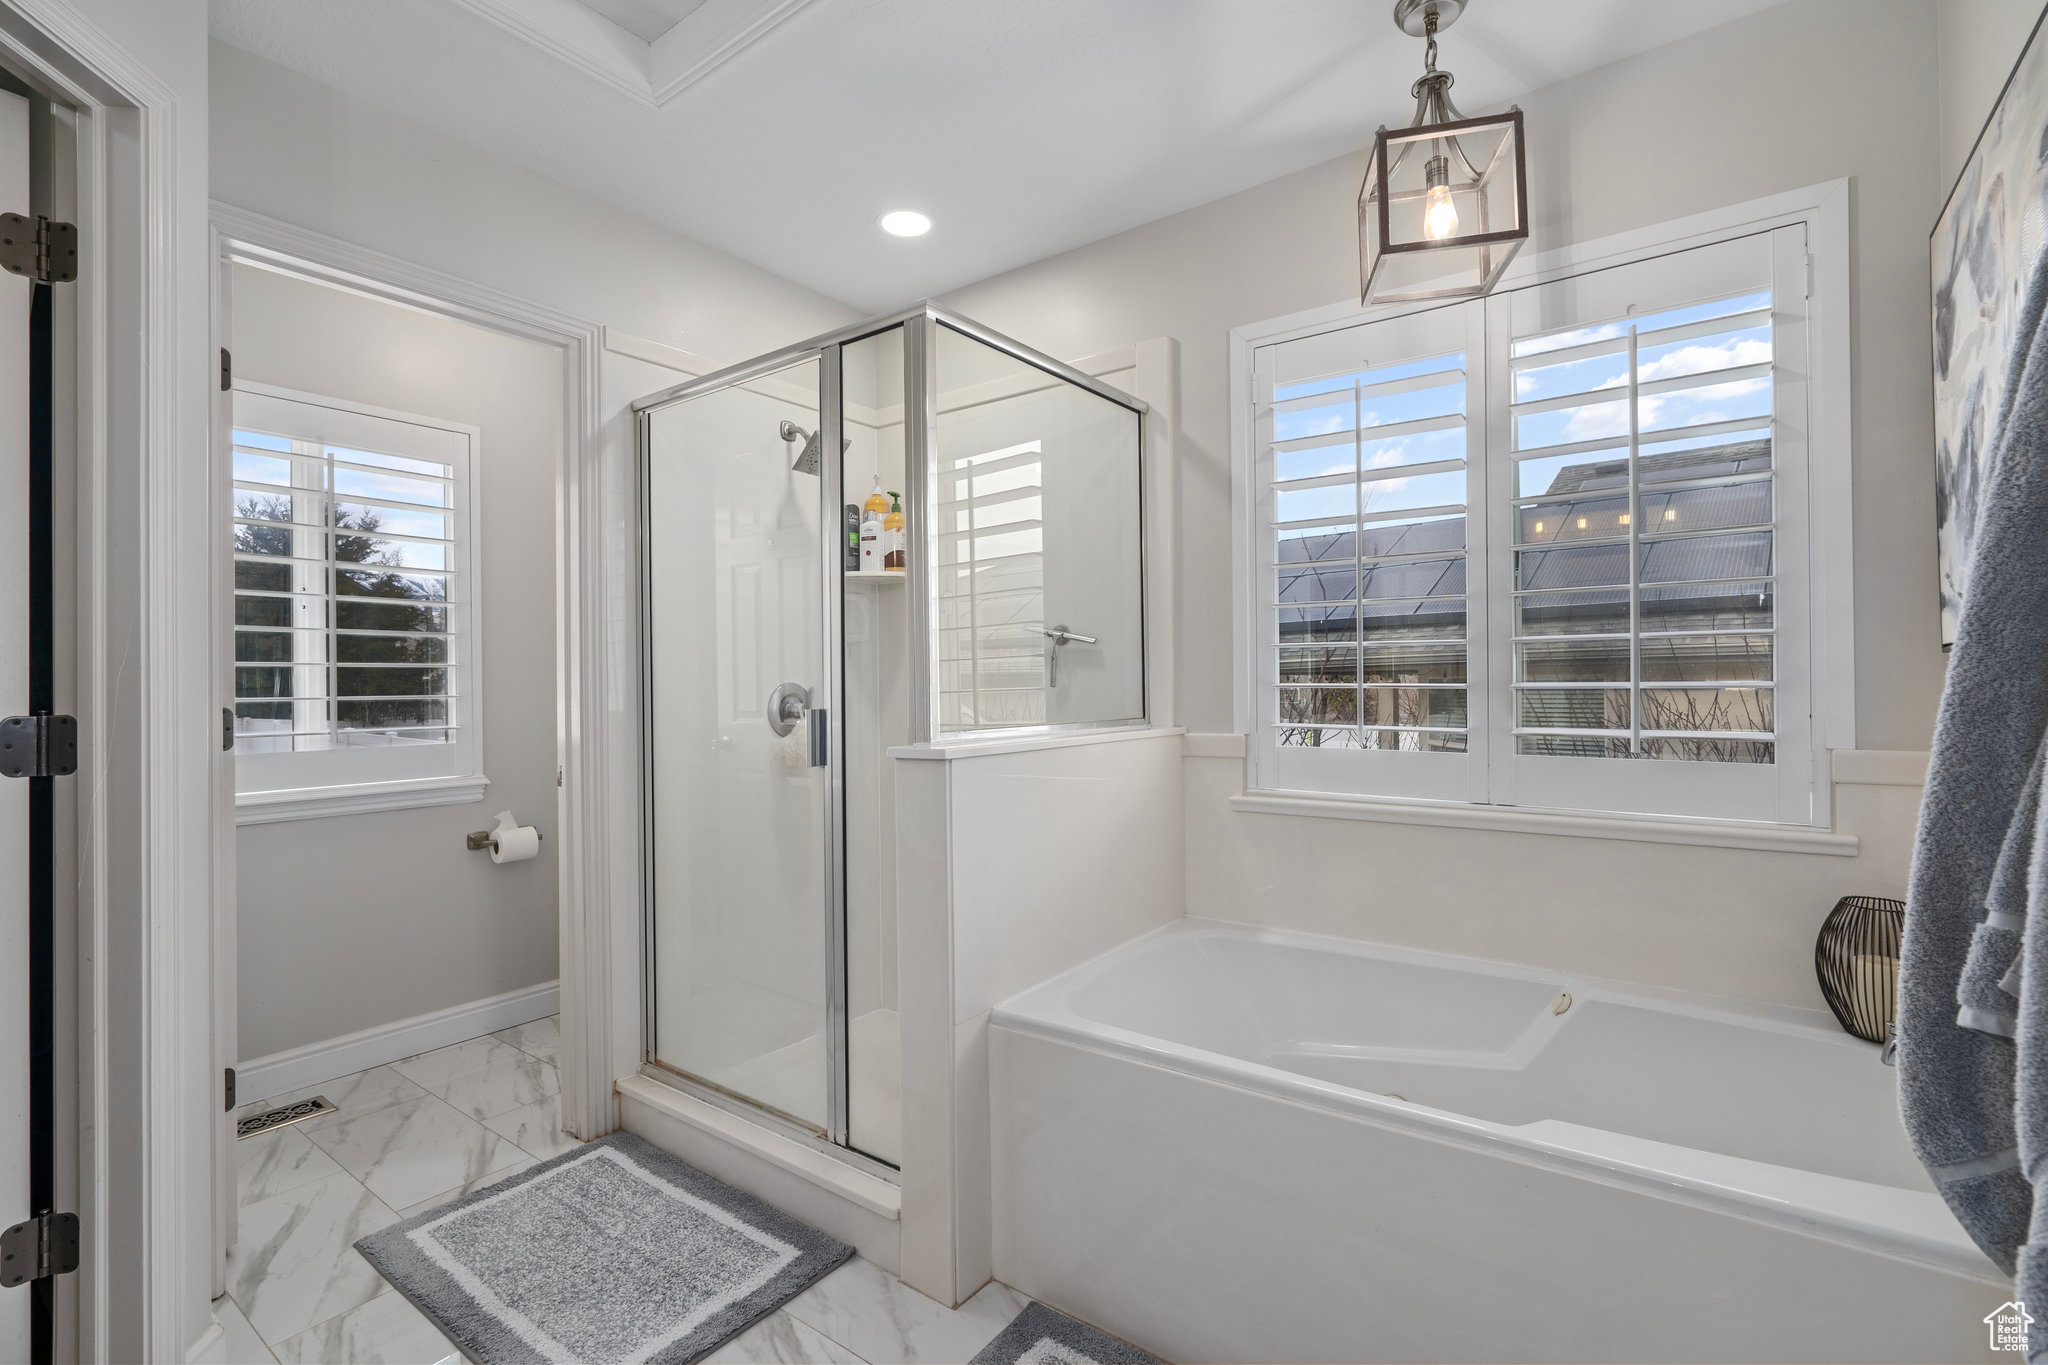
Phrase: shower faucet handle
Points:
(1060, 635)
(787, 705)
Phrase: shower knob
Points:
(786, 706)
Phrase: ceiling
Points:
(1022, 129)
(646, 20)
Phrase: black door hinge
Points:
(231, 1090)
(227, 370)
(38, 746)
(44, 251)
(41, 1247)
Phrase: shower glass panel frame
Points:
(825, 737)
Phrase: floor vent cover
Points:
(277, 1118)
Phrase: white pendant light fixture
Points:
(1445, 203)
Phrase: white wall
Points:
(1978, 41)
(1011, 867)
(350, 922)
(1771, 102)
(288, 147)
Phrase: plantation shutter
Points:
(1545, 549)
(351, 595)
(1649, 607)
(1368, 457)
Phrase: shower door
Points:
(745, 986)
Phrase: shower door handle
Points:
(820, 722)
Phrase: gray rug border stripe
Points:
(1037, 1321)
(484, 1338)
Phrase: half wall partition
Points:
(781, 666)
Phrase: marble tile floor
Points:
(407, 1137)
(420, 1132)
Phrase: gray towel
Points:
(1956, 1091)
(2031, 1106)
(1988, 996)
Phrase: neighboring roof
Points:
(1706, 462)
(1329, 569)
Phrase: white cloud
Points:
(1687, 407)
(1699, 359)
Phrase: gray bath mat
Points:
(1039, 1336)
(613, 1252)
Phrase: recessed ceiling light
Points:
(905, 223)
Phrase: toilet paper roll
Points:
(512, 842)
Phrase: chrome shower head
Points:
(807, 458)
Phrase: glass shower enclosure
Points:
(783, 659)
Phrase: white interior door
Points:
(14, 967)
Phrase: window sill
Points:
(321, 803)
(1513, 820)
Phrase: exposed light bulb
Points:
(1539, 528)
(1624, 518)
(1439, 214)
(1671, 514)
(1582, 523)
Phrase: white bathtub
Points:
(1234, 1144)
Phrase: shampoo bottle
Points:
(871, 516)
(892, 536)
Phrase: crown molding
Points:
(652, 73)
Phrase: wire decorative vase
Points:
(1857, 960)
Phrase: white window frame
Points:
(1425, 334)
(1828, 626)
(304, 786)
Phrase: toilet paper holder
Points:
(480, 840)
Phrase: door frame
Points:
(583, 713)
(144, 774)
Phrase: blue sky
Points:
(1594, 420)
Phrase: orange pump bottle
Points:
(892, 536)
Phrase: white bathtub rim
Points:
(1919, 1230)
(1054, 997)
(1787, 1019)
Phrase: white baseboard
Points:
(283, 1072)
